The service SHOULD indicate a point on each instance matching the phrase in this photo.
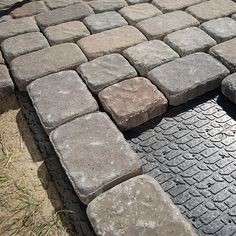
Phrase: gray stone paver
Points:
(234, 16)
(228, 87)
(138, 206)
(131, 2)
(190, 40)
(29, 67)
(52, 4)
(6, 84)
(107, 5)
(146, 56)
(23, 44)
(2, 61)
(60, 97)
(94, 154)
(106, 70)
(104, 21)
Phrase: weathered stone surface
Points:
(115, 40)
(2, 61)
(130, 2)
(29, 9)
(29, 67)
(173, 5)
(5, 18)
(104, 21)
(146, 56)
(107, 5)
(189, 40)
(94, 154)
(158, 26)
(12, 28)
(221, 29)
(133, 102)
(60, 97)
(6, 84)
(188, 77)
(138, 206)
(73, 12)
(66, 32)
(4, 4)
(23, 44)
(212, 9)
(228, 87)
(52, 4)
(135, 13)
(226, 53)
(105, 71)
(234, 16)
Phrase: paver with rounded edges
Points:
(133, 102)
(189, 77)
(94, 154)
(107, 5)
(52, 4)
(2, 61)
(138, 206)
(228, 87)
(29, 67)
(6, 84)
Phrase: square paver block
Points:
(6, 84)
(60, 97)
(221, 29)
(105, 71)
(189, 40)
(133, 102)
(66, 32)
(52, 4)
(94, 154)
(228, 87)
(159, 26)
(73, 12)
(226, 53)
(189, 77)
(104, 21)
(111, 41)
(107, 5)
(12, 28)
(23, 44)
(29, 67)
(135, 13)
(2, 61)
(212, 9)
(139, 206)
(146, 56)
(173, 5)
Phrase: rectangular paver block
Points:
(133, 102)
(228, 87)
(158, 26)
(111, 41)
(94, 154)
(52, 4)
(37, 64)
(107, 5)
(6, 84)
(106, 70)
(138, 206)
(60, 97)
(189, 77)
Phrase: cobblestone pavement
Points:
(93, 69)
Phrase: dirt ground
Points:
(29, 204)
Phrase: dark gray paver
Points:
(2, 61)
(94, 155)
(189, 77)
(6, 84)
(52, 4)
(107, 5)
(228, 87)
(131, 2)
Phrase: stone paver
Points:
(138, 206)
(131, 2)
(104, 21)
(221, 29)
(212, 9)
(66, 32)
(2, 61)
(52, 4)
(133, 102)
(23, 44)
(70, 13)
(226, 53)
(4, 4)
(146, 56)
(29, 9)
(234, 16)
(94, 155)
(34, 65)
(158, 26)
(111, 41)
(190, 40)
(12, 28)
(6, 84)
(105, 71)
(138, 12)
(189, 77)
(107, 5)
(60, 97)
(228, 87)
